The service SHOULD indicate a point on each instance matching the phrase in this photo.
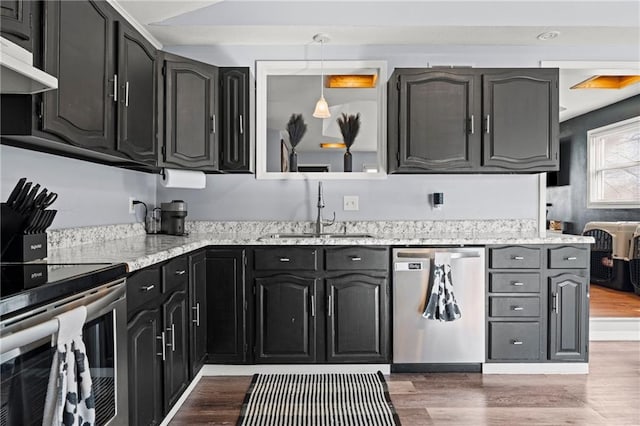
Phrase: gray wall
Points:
(89, 193)
(570, 201)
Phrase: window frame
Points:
(594, 184)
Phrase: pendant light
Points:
(322, 108)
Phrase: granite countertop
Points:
(140, 251)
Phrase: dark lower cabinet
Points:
(16, 21)
(226, 335)
(145, 368)
(198, 314)
(286, 319)
(357, 318)
(190, 110)
(567, 324)
(176, 366)
(234, 118)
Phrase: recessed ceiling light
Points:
(351, 81)
(548, 35)
(332, 145)
(607, 82)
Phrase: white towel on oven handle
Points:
(70, 399)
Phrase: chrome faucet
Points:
(320, 223)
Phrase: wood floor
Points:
(608, 395)
(606, 302)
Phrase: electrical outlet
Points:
(350, 203)
(132, 209)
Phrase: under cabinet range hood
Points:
(17, 73)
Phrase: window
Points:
(614, 165)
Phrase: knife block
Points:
(16, 246)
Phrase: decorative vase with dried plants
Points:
(349, 127)
(296, 129)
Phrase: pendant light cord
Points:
(322, 68)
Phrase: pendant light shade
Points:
(322, 108)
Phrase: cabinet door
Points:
(569, 317)
(234, 113)
(145, 368)
(190, 109)
(198, 312)
(176, 366)
(137, 106)
(226, 335)
(15, 21)
(437, 125)
(79, 51)
(520, 121)
(285, 319)
(357, 325)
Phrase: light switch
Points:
(350, 203)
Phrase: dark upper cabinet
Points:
(568, 317)
(16, 21)
(357, 323)
(198, 312)
(286, 319)
(520, 121)
(473, 120)
(176, 366)
(436, 121)
(234, 120)
(137, 79)
(79, 50)
(190, 110)
(145, 368)
(226, 309)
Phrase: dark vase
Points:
(293, 161)
(348, 161)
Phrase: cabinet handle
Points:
(356, 259)
(518, 258)
(571, 258)
(313, 306)
(172, 345)
(241, 125)
(488, 128)
(181, 272)
(126, 94)
(163, 341)
(517, 308)
(329, 306)
(115, 88)
(517, 284)
(556, 303)
(148, 287)
(285, 259)
(472, 124)
(197, 309)
(517, 342)
(213, 124)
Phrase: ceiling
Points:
(586, 26)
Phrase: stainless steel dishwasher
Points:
(421, 344)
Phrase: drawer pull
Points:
(571, 258)
(517, 308)
(517, 284)
(148, 287)
(181, 272)
(285, 259)
(517, 342)
(356, 259)
(518, 257)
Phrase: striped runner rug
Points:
(318, 400)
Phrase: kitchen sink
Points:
(313, 235)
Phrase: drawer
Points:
(514, 340)
(175, 274)
(142, 287)
(505, 282)
(350, 258)
(516, 257)
(286, 258)
(567, 257)
(500, 306)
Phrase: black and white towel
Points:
(442, 305)
(70, 400)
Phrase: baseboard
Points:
(604, 329)
(249, 370)
(183, 398)
(536, 368)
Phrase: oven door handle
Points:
(35, 333)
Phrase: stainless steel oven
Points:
(27, 353)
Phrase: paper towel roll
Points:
(172, 178)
